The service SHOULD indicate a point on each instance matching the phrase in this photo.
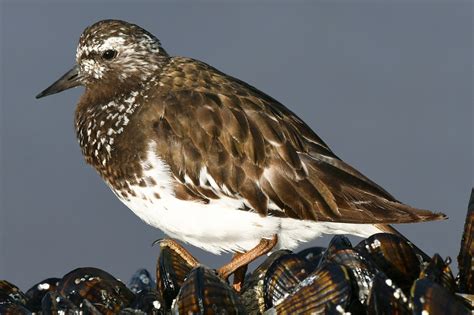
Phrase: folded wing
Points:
(225, 138)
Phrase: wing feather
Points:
(224, 137)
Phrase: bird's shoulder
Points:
(193, 87)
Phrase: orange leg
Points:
(238, 264)
(242, 260)
(239, 274)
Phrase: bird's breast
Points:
(106, 133)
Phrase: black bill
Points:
(69, 80)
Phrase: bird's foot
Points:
(239, 275)
(179, 249)
(238, 264)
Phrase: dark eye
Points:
(109, 54)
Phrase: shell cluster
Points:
(383, 274)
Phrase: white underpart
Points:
(220, 226)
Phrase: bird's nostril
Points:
(73, 77)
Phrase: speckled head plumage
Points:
(113, 50)
(112, 55)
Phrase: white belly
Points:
(220, 226)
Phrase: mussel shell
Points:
(10, 293)
(53, 303)
(386, 298)
(252, 292)
(87, 308)
(148, 301)
(467, 299)
(312, 254)
(429, 297)
(13, 309)
(283, 276)
(36, 293)
(104, 291)
(361, 269)
(171, 270)
(338, 242)
(393, 255)
(466, 255)
(204, 292)
(439, 271)
(131, 311)
(141, 280)
(328, 285)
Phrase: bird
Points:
(209, 159)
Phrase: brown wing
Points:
(224, 137)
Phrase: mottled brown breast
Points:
(112, 137)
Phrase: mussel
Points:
(252, 293)
(148, 301)
(283, 276)
(328, 288)
(438, 270)
(171, 270)
(386, 298)
(203, 292)
(338, 242)
(466, 255)
(10, 293)
(53, 303)
(429, 297)
(104, 291)
(36, 293)
(397, 258)
(361, 270)
(13, 309)
(312, 254)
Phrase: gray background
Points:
(387, 84)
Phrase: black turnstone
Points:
(209, 159)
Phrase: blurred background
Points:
(388, 85)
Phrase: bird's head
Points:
(112, 53)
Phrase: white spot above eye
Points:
(112, 43)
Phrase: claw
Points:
(157, 242)
(177, 248)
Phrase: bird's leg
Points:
(179, 249)
(239, 274)
(244, 259)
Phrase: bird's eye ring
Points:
(109, 54)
